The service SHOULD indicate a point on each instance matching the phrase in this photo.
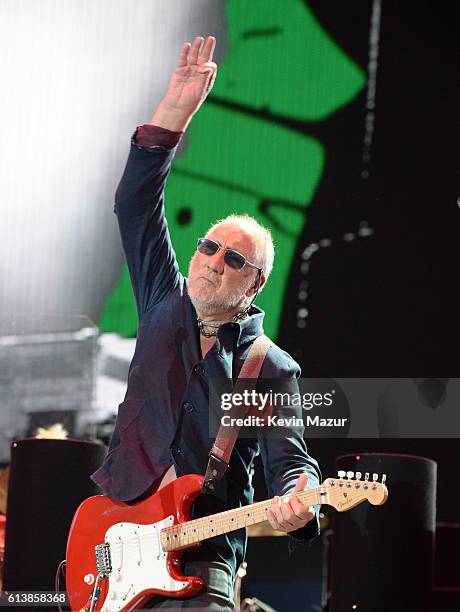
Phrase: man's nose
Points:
(216, 262)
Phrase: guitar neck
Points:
(194, 531)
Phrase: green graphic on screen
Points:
(278, 59)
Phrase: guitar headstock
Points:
(349, 490)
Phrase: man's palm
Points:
(193, 77)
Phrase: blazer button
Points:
(198, 369)
(188, 407)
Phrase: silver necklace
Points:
(210, 333)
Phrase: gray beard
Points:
(208, 308)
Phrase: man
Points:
(191, 332)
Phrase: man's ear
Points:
(262, 282)
(253, 288)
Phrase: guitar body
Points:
(140, 568)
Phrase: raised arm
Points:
(139, 201)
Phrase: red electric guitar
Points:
(120, 555)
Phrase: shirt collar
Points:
(248, 329)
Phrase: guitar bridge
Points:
(103, 560)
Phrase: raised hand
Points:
(193, 77)
(189, 85)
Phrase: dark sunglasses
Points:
(232, 258)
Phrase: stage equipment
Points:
(48, 481)
(382, 559)
(2, 546)
(446, 593)
(48, 367)
(447, 547)
(4, 475)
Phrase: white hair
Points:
(266, 255)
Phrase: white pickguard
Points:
(138, 563)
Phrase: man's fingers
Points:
(290, 513)
(208, 67)
(195, 50)
(273, 522)
(210, 71)
(207, 51)
(276, 510)
(289, 516)
(199, 52)
(184, 55)
(300, 509)
(211, 80)
(301, 482)
(283, 515)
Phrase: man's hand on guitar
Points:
(191, 82)
(288, 513)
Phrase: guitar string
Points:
(204, 522)
(222, 520)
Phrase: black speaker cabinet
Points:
(382, 557)
(48, 481)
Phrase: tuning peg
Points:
(358, 475)
(366, 476)
(350, 475)
(341, 473)
(375, 477)
(384, 478)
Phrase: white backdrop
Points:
(76, 77)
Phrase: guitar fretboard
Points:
(194, 531)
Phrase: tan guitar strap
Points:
(219, 456)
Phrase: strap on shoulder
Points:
(219, 456)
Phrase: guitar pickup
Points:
(103, 560)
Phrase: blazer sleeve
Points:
(139, 206)
(283, 451)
